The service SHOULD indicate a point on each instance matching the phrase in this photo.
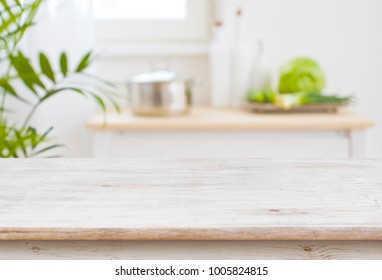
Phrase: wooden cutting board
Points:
(320, 108)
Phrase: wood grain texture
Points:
(225, 119)
(190, 199)
(190, 250)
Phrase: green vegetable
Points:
(302, 75)
(256, 96)
(316, 98)
(266, 95)
(287, 101)
(270, 95)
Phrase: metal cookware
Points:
(159, 93)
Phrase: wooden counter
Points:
(219, 133)
(226, 119)
(191, 208)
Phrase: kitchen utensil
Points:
(159, 93)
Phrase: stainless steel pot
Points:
(159, 93)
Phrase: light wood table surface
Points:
(218, 133)
(205, 118)
(190, 209)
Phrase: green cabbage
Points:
(302, 75)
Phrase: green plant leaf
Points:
(55, 91)
(46, 149)
(100, 102)
(16, 18)
(64, 64)
(85, 62)
(46, 67)
(46, 133)
(13, 18)
(109, 96)
(25, 142)
(116, 106)
(21, 142)
(7, 87)
(95, 78)
(26, 72)
(17, 30)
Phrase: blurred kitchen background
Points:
(209, 42)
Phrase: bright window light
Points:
(140, 9)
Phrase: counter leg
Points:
(357, 144)
(102, 145)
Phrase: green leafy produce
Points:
(302, 75)
(317, 98)
(301, 83)
(270, 95)
(287, 101)
(266, 95)
(256, 96)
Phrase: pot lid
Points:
(154, 77)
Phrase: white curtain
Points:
(64, 25)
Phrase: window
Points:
(140, 10)
(119, 21)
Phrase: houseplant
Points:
(33, 84)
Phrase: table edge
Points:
(332, 233)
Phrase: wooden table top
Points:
(226, 119)
(190, 199)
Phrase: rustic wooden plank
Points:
(225, 199)
(190, 250)
(206, 233)
(229, 119)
